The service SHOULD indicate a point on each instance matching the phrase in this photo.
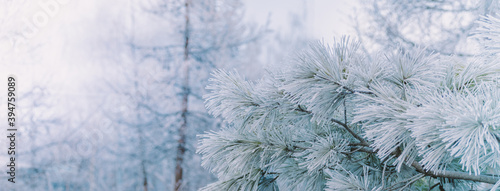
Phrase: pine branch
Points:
(456, 175)
(432, 187)
(359, 138)
(345, 126)
(361, 149)
(351, 91)
(415, 164)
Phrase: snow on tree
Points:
(334, 120)
(155, 89)
(440, 26)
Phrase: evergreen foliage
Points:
(334, 120)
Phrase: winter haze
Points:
(76, 68)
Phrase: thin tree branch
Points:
(361, 149)
(345, 126)
(359, 138)
(456, 175)
(432, 187)
(351, 91)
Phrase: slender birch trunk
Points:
(181, 148)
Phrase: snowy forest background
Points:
(110, 93)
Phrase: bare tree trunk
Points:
(181, 148)
(142, 145)
(145, 181)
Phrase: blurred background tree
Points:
(442, 26)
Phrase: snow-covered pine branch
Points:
(332, 120)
